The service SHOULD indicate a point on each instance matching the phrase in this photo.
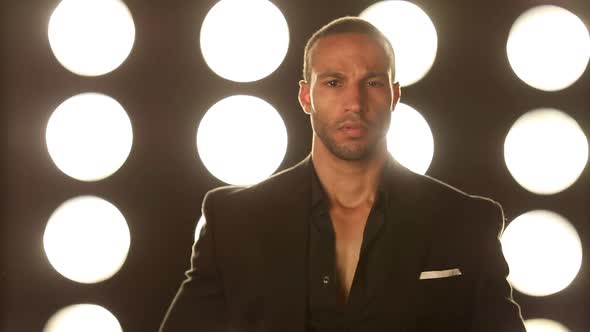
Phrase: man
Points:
(348, 239)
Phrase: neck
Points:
(349, 184)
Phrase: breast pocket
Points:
(445, 296)
(444, 303)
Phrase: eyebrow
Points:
(375, 74)
(341, 75)
(330, 74)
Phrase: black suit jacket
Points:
(249, 267)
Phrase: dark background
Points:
(470, 98)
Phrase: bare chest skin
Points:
(349, 225)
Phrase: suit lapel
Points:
(285, 247)
(284, 241)
(412, 231)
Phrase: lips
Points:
(353, 129)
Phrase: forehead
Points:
(348, 51)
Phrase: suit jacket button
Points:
(326, 280)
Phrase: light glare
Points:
(86, 239)
(544, 325)
(89, 136)
(409, 139)
(83, 317)
(242, 140)
(200, 225)
(91, 37)
(548, 48)
(244, 41)
(543, 251)
(412, 34)
(546, 151)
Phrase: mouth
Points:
(353, 129)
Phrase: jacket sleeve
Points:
(495, 309)
(199, 304)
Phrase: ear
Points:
(397, 93)
(304, 96)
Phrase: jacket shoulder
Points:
(430, 187)
(276, 185)
(433, 192)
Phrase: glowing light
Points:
(544, 325)
(244, 41)
(89, 136)
(412, 34)
(86, 239)
(409, 139)
(546, 151)
(242, 140)
(91, 37)
(543, 251)
(83, 317)
(200, 225)
(548, 48)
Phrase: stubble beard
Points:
(350, 151)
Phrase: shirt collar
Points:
(319, 202)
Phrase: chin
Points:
(355, 153)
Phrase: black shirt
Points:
(326, 312)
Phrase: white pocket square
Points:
(440, 274)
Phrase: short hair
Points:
(347, 24)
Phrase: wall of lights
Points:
(242, 138)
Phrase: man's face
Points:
(350, 95)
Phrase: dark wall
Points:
(470, 99)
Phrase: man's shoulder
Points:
(448, 200)
(425, 187)
(458, 193)
(281, 183)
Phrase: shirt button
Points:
(326, 280)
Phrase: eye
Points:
(333, 83)
(375, 83)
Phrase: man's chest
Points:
(348, 228)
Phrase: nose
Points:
(354, 99)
